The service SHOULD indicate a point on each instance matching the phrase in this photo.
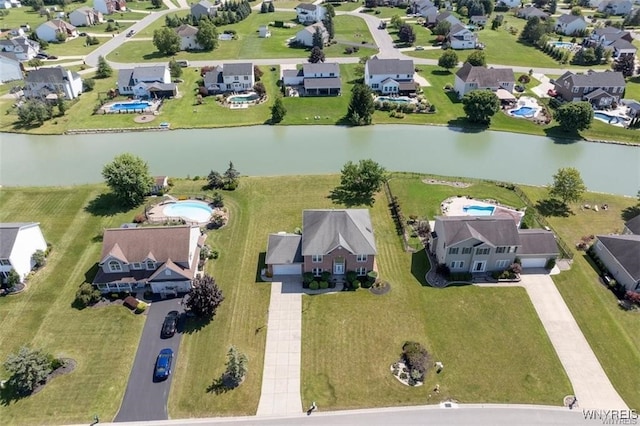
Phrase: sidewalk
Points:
(282, 358)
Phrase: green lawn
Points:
(613, 334)
(74, 47)
(42, 317)
(346, 6)
(144, 5)
(386, 12)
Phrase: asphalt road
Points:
(145, 399)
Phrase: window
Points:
(502, 264)
(167, 272)
(457, 264)
(236, 78)
(361, 271)
(136, 265)
(466, 250)
(316, 258)
(317, 272)
(500, 250)
(361, 258)
(150, 264)
(246, 77)
(453, 250)
(375, 85)
(114, 266)
(482, 251)
(5, 262)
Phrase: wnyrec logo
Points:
(612, 417)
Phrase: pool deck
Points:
(153, 107)
(454, 206)
(156, 213)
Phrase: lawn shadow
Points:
(262, 256)
(420, 266)
(193, 325)
(105, 205)
(221, 385)
(441, 72)
(156, 55)
(630, 212)
(553, 207)
(9, 395)
(350, 199)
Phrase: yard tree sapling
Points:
(236, 367)
(12, 279)
(129, 179)
(204, 298)
(175, 69)
(396, 21)
(230, 177)
(278, 111)
(104, 69)
(35, 63)
(480, 106)
(567, 185)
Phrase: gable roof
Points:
(321, 67)
(55, 75)
(626, 250)
(307, 6)
(8, 233)
(568, 18)
(186, 30)
(634, 225)
(485, 77)
(530, 12)
(537, 241)
(243, 68)
(312, 28)
(594, 79)
(390, 66)
(325, 230)
(491, 230)
(283, 248)
(150, 73)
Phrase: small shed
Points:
(263, 31)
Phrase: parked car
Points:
(42, 55)
(130, 33)
(419, 48)
(82, 34)
(183, 63)
(163, 364)
(52, 57)
(170, 324)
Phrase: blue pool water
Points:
(399, 100)
(478, 210)
(610, 119)
(524, 112)
(562, 44)
(126, 106)
(243, 99)
(189, 210)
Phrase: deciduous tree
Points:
(204, 298)
(625, 65)
(477, 59)
(215, 180)
(480, 106)
(175, 69)
(567, 185)
(167, 41)
(129, 179)
(359, 182)
(442, 28)
(207, 35)
(406, 34)
(448, 60)
(574, 116)
(361, 106)
(28, 368)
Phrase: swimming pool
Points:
(128, 106)
(243, 99)
(524, 111)
(191, 211)
(609, 119)
(398, 100)
(479, 210)
(562, 44)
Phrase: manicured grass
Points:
(145, 5)
(386, 12)
(159, 23)
(42, 316)
(351, 29)
(346, 6)
(289, 4)
(26, 15)
(613, 334)
(74, 47)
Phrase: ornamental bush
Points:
(351, 275)
(323, 285)
(314, 285)
(415, 357)
(355, 284)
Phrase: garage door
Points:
(292, 269)
(534, 262)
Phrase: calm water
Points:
(27, 160)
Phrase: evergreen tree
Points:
(625, 65)
(272, 8)
(236, 367)
(328, 25)
(278, 111)
(406, 34)
(361, 107)
(264, 8)
(316, 55)
(317, 39)
(104, 69)
(28, 368)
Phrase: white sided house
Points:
(49, 30)
(309, 13)
(188, 39)
(390, 76)
(18, 243)
(163, 259)
(304, 37)
(10, 68)
(107, 7)
(23, 47)
(570, 24)
(460, 37)
(85, 16)
(48, 83)
(230, 78)
(615, 7)
(510, 3)
(152, 81)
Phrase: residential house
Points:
(530, 12)
(160, 185)
(390, 76)
(633, 111)
(23, 47)
(230, 78)
(601, 89)
(460, 37)
(480, 20)
(489, 243)
(632, 226)
(18, 243)
(620, 254)
(49, 30)
(470, 78)
(204, 8)
(314, 79)
(49, 83)
(568, 24)
(449, 17)
(309, 13)
(335, 241)
(188, 37)
(263, 31)
(615, 7)
(107, 7)
(10, 67)
(6, 4)
(614, 39)
(426, 9)
(162, 259)
(85, 16)
(304, 37)
(153, 81)
(510, 3)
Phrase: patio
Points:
(459, 206)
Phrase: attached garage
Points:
(284, 255)
(291, 269)
(535, 262)
(538, 246)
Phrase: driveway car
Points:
(170, 324)
(130, 33)
(163, 364)
(419, 47)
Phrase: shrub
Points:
(550, 263)
(367, 284)
(415, 357)
(323, 285)
(516, 268)
(55, 362)
(403, 376)
(131, 302)
(355, 284)
(87, 295)
(632, 297)
(351, 276)
(372, 276)
(39, 258)
(141, 307)
(325, 276)
(314, 285)
(443, 269)
(214, 254)
(139, 218)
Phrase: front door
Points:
(338, 268)
(479, 266)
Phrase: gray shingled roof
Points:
(325, 230)
(634, 225)
(594, 79)
(292, 73)
(537, 241)
(390, 66)
(320, 67)
(485, 77)
(186, 30)
(322, 83)
(568, 18)
(283, 249)
(8, 234)
(495, 231)
(243, 68)
(144, 73)
(47, 75)
(307, 6)
(626, 250)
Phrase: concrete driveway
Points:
(144, 399)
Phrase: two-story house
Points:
(309, 13)
(85, 16)
(50, 82)
(304, 37)
(23, 47)
(426, 9)
(614, 39)
(230, 78)
(49, 30)
(470, 78)
(489, 243)
(334, 241)
(449, 17)
(460, 37)
(153, 81)
(107, 7)
(188, 37)
(204, 8)
(601, 89)
(615, 7)
(163, 259)
(321, 79)
(390, 76)
(568, 24)
(18, 243)
(10, 67)
(530, 12)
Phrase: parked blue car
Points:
(163, 364)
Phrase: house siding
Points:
(28, 241)
(328, 261)
(614, 267)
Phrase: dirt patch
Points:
(144, 118)
(446, 182)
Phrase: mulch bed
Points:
(445, 182)
(70, 365)
(383, 288)
(145, 118)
